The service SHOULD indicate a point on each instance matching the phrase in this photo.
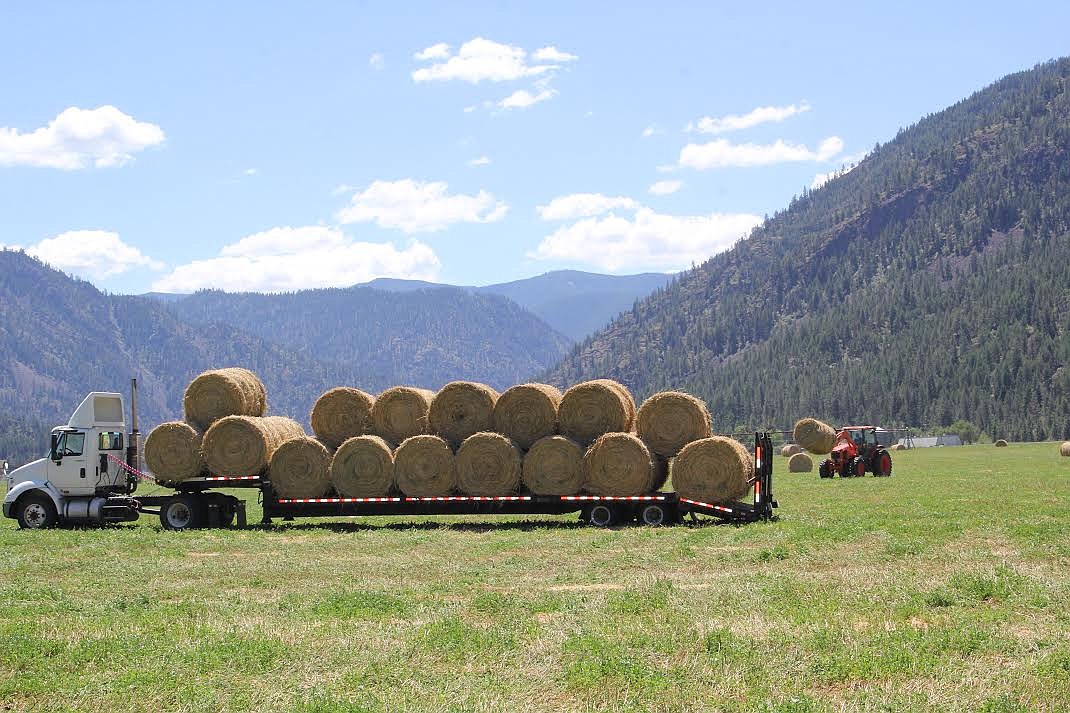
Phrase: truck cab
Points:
(74, 481)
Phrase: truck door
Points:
(67, 467)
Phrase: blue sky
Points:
(271, 146)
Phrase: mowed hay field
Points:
(944, 587)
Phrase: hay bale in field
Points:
(173, 452)
(363, 467)
(1064, 449)
(526, 413)
(300, 468)
(341, 413)
(424, 466)
(669, 420)
(897, 447)
(460, 409)
(800, 463)
(790, 449)
(488, 464)
(1000, 443)
(401, 412)
(815, 436)
(712, 470)
(554, 466)
(223, 392)
(592, 408)
(619, 464)
(243, 445)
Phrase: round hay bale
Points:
(300, 468)
(488, 464)
(526, 413)
(554, 466)
(1064, 449)
(401, 412)
(669, 420)
(223, 392)
(424, 466)
(460, 409)
(340, 414)
(363, 467)
(712, 470)
(592, 408)
(1000, 443)
(897, 447)
(790, 449)
(243, 445)
(619, 464)
(173, 452)
(815, 436)
(800, 463)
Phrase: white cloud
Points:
(721, 153)
(650, 131)
(664, 188)
(437, 51)
(647, 240)
(377, 61)
(92, 254)
(342, 188)
(552, 54)
(666, 168)
(480, 60)
(79, 138)
(419, 206)
(249, 172)
(522, 98)
(583, 205)
(479, 161)
(737, 122)
(286, 258)
(821, 179)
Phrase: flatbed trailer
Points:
(195, 504)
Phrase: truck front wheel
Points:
(181, 512)
(37, 511)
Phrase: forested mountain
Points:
(930, 283)
(378, 339)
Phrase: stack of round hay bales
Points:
(554, 466)
(460, 409)
(173, 452)
(401, 412)
(363, 467)
(1064, 449)
(243, 445)
(712, 470)
(815, 436)
(424, 466)
(800, 463)
(223, 392)
(593, 408)
(1001, 443)
(526, 413)
(488, 464)
(669, 420)
(300, 468)
(341, 413)
(790, 449)
(621, 464)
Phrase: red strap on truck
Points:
(122, 464)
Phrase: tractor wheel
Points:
(882, 464)
(858, 466)
(825, 469)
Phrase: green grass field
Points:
(944, 587)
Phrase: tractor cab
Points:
(856, 452)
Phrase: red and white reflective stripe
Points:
(122, 464)
(231, 477)
(466, 498)
(758, 458)
(705, 504)
(613, 497)
(757, 491)
(339, 500)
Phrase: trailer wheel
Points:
(655, 515)
(602, 516)
(37, 511)
(182, 512)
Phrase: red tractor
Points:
(856, 451)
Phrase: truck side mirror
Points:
(56, 456)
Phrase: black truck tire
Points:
(182, 512)
(36, 511)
